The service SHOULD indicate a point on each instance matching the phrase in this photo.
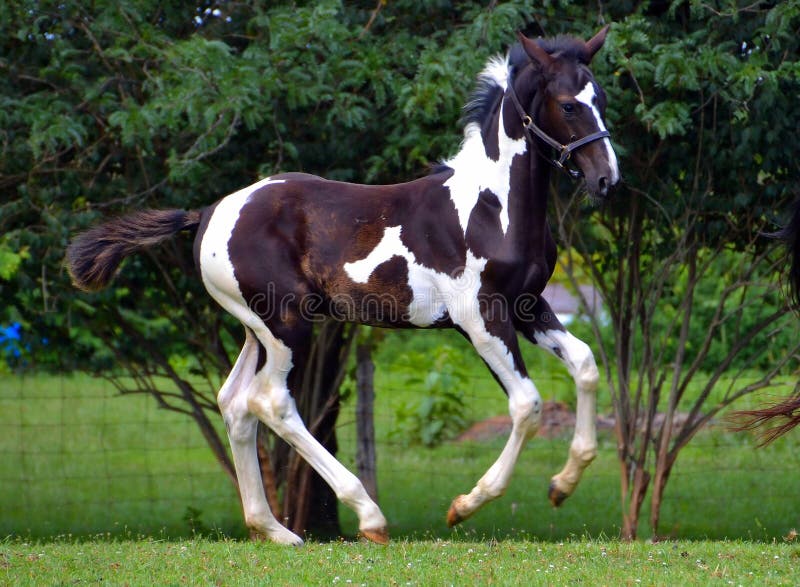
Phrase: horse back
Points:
(297, 236)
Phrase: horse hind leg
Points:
(270, 400)
(241, 426)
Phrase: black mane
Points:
(487, 93)
(482, 101)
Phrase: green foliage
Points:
(111, 106)
(438, 414)
(10, 260)
(126, 105)
(700, 98)
(114, 106)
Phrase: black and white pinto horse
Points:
(439, 251)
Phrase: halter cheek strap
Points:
(530, 128)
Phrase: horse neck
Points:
(498, 159)
(529, 180)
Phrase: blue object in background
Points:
(10, 339)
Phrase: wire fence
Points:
(76, 458)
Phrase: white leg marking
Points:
(242, 428)
(524, 405)
(578, 358)
(270, 401)
(587, 96)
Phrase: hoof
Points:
(279, 536)
(378, 535)
(453, 515)
(556, 496)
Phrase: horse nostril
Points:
(602, 184)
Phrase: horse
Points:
(775, 420)
(437, 252)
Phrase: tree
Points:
(112, 106)
(699, 104)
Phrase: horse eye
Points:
(568, 107)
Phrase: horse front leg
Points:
(544, 330)
(496, 343)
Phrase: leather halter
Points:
(564, 151)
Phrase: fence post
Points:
(365, 425)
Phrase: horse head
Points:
(560, 103)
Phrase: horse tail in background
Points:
(94, 256)
(785, 412)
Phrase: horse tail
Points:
(94, 256)
(782, 417)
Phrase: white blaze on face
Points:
(587, 97)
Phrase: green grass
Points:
(721, 488)
(452, 562)
(77, 459)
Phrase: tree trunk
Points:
(662, 473)
(310, 504)
(630, 518)
(365, 425)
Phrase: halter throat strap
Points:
(530, 128)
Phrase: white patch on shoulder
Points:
(433, 292)
(475, 172)
(216, 268)
(587, 96)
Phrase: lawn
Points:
(418, 562)
(76, 459)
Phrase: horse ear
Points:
(593, 45)
(535, 51)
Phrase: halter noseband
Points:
(565, 151)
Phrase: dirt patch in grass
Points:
(558, 420)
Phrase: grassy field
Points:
(75, 459)
(435, 562)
